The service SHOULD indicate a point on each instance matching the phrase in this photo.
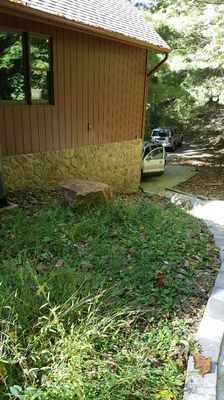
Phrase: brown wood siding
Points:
(99, 88)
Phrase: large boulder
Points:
(79, 192)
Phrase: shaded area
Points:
(204, 151)
(207, 160)
(208, 182)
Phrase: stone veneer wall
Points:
(117, 164)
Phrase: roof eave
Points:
(42, 16)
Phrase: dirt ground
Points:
(206, 155)
(209, 182)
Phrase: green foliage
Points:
(12, 67)
(40, 64)
(193, 75)
(106, 321)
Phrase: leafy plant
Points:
(193, 75)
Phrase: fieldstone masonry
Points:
(117, 164)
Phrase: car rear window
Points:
(160, 132)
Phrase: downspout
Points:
(150, 72)
(157, 66)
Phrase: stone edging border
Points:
(209, 335)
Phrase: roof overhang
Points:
(23, 11)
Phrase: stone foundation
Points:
(117, 164)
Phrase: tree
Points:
(13, 67)
(192, 78)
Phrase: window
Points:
(12, 84)
(146, 151)
(160, 132)
(156, 154)
(26, 74)
(40, 69)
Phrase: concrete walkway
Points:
(211, 329)
(210, 335)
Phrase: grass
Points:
(100, 303)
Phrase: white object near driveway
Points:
(170, 138)
(153, 159)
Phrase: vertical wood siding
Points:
(98, 94)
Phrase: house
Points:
(73, 76)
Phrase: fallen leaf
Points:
(90, 238)
(152, 300)
(193, 300)
(113, 232)
(111, 300)
(41, 267)
(176, 352)
(160, 277)
(165, 394)
(83, 245)
(180, 362)
(202, 364)
(142, 236)
(87, 264)
(32, 286)
(59, 263)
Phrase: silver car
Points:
(170, 138)
(153, 159)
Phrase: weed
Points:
(100, 303)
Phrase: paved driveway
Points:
(173, 175)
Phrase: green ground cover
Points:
(100, 303)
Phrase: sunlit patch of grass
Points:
(99, 303)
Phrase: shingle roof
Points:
(115, 16)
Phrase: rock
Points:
(80, 192)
